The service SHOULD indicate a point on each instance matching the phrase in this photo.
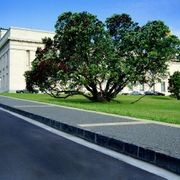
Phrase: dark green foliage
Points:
(174, 85)
(29, 80)
(98, 60)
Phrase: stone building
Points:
(159, 87)
(17, 50)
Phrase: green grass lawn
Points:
(164, 109)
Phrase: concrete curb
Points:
(162, 160)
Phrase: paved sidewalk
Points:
(155, 143)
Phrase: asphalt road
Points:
(28, 152)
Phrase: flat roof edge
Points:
(29, 29)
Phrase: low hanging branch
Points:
(142, 95)
(65, 95)
(138, 99)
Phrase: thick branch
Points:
(142, 95)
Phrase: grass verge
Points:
(164, 109)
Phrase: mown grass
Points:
(164, 109)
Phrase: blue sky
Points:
(42, 14)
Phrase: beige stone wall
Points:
(160, 87)
(21, 56)
(17, 51)
(4, 68)
(29, 34)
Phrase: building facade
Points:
(17, 51)
(160, 87)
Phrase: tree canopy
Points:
(97, 60)
(174, 85)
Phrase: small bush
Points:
(174, 85)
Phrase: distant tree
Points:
(174, 85)
(87, 56)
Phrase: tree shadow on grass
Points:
(72, 100)
(162, 97)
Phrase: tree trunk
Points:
(101, 97)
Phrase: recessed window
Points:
(28, 58)
(141, 87)
(163, 86)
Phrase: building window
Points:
(28, 58)
(3, 81)
(6, 80)
(141, 87)
(163, 86)
(0, 82)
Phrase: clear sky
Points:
(42, 14)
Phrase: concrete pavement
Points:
(155, 143)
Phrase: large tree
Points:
(98, 60)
